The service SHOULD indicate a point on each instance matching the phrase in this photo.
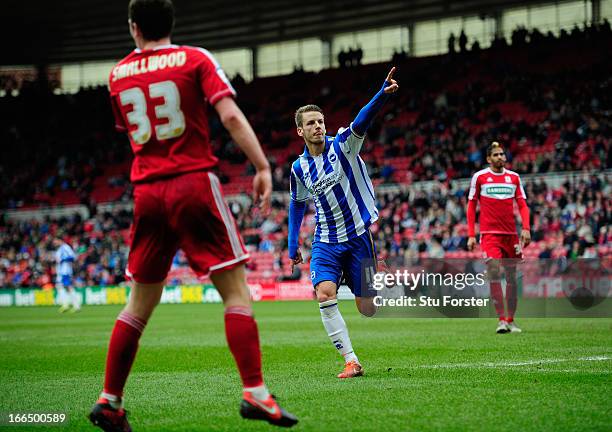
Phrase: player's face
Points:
(497, 158)
(313, 127)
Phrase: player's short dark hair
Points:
(155, 18)
(302, 110)
(494, 146)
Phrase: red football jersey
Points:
(496, 193)
(160, 98)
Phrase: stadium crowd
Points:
(572, 219)
(548, 107)
(100, 244)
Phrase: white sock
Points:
(114, 401)
(336, 329)
(63, 296)
(76, 299)
(260, 392)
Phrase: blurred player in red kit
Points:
(496, 188)
(160, 93)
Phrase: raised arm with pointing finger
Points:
(353, 144)
(362, 121)
(333, 174)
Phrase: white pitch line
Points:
(510, 364)
(594, 358)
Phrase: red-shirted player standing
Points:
(160, 93)
(497, 188)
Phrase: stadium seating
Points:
(569, 219)
(544, 104)
(528, 97)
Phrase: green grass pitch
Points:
(421, 374)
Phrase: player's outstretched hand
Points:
(262, 190)
(297, 260)
(394, 85)
(471, 244)
(525, 238)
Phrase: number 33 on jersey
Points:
(160, 97)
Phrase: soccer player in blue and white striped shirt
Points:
(64, 259)
(331, 172)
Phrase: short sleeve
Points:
(66, 253)
(212, 79)
(119, 122)
(296, 188)
(474, 188)
(520, 191)
(350, 142)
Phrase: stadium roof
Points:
(65, 31)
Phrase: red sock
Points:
(121, 352)
(243, 341)
(511, 299)
(498, 298)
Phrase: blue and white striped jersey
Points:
(64, 257)
(340, 186)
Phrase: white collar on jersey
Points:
(494, 173)
(328, 141)
(138, 50)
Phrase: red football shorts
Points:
(186, 212)
(501, 246)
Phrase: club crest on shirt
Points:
(508, 179)
(332, 157)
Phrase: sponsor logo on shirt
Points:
(500, 191)
(325, 183)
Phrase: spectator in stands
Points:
(463, 41)
(358, 56)
(342, 58)
(451, 44)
